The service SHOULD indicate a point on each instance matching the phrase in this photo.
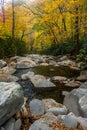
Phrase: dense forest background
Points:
(48, 27)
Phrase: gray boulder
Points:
(63, 58)
(25, 62)
(84, 85)
(36, 107)
(28, 75)
(82, 78)
(67, 63)
(69, 120)
(44, 122)
(83, 122)
(9, 125)
(76, 100)
(54, 107)
(17, 124)
(11, 100)
(83, 104)
(2, 128)
(9, 70)
(83, 72)
(72, 83)
(6, 77)
(59, 78)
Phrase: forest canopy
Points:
(47, 26)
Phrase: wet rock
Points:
(2, 64)
(75, 102)
(11, 100)
(54, 107)
(36, 107)
(40, 81)
(44, 122)
(28, 75)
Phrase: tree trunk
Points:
(23, 32)
(13, 19)
(77, 29)
(3, 12)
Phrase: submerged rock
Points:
(11, 100)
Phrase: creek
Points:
(48, 71)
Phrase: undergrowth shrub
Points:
(11, 47)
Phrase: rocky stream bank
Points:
(39, 92)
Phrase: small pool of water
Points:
(48, 71)
(51, 71)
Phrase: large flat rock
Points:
(11, 100)
(40, 81)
